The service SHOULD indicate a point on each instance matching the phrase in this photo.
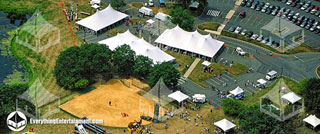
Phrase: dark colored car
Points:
(231, 29)
(309, 9)
(243, 3)
(249, 33)
(284, 1)
(268, 11)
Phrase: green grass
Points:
(302, 48)
(209, 26)
(137, 5)
(115, 31)
(182, 60)
(198, 76)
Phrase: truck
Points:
(199, 98)
(146, 11)
(271, 75)
(240, 51)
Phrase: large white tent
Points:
(224, 124)
(178, 96)
(237, 91)
(102, 19)
(192, 42)
(312, 120)
(140, 46)
(291, 97)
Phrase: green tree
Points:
(232, 106)
(117, 3)
(253, 121)
(123, 59)
(76, 65)
(311, 96)
(142, 66)
(182, 18)
(167, 71)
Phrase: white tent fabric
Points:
(161, 16)
(150, 21)
(237, 91)
(262, 81)
(312, 120)
(102, 19)
(206, 63)
(95, 1)
(178, 96)
(224, 124)
(292, 97)
(95, 6)
(140, 46)
(190, 41)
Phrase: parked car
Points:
(254, 36)
(268, 11)
(243, 3)
(249, 33)
(303, 24)
(265, 40)
(270, 42)
(232, 29)
(293, 4)
(314, 10)
(150, 3)
(300, 4)
(284, 1)
(296, 16)
(242, 14)
(243, 32)
(238, 30)
(240, 51)
(313, 28)
(289, 2)
(260, 38)
(309, 9)
(317, 13)
(264, 9)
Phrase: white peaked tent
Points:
(224, 124)
(237, 91)
(161, 16)
(194, 42)
(178, 96)
(206, 63)
(140, 46)
(312, 120)
(102, 19)
(150, 21)
(291, 97)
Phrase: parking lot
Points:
(255, 20)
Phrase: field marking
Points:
(299, 58)
(232, 51)
(254, 20)
(249, 18)
(214, 81)
(229, 76)
(224, 78)
(227, 50)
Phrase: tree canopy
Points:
(117, 3)
(76, 67)
(123, 59)
(232, 106)
(310, 93)
(142, 66)
(182, 18)
(167, 71)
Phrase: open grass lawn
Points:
(209, 26)
(199, 76)
(115, 31)
(182, 60)
(137, 5)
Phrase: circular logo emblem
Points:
(16, 121)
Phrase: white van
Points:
(271, 75)
(200, 98)
(240, 51)
(146, 11)
(261, 83)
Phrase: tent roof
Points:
(140, 46)
(237, 91)
(190, 41)
(224, 124)
(292, 97)
(312, 120)
(161, 16)
(206, 63)
(95, 6)
(262, 81)
(102, 19)
(178, 96)
(199, 96)
(150, 21)
(159, 93)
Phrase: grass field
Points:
(182, 60)
(137, 5)
(115, 31)
(199, 76)
(209, 26)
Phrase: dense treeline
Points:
(77, 67)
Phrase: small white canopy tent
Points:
(237, 91)
(178, 96)
(150, 21)
(291, 97)
(161, 16)
(224, 124)
(206, 63)
(312, 120)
